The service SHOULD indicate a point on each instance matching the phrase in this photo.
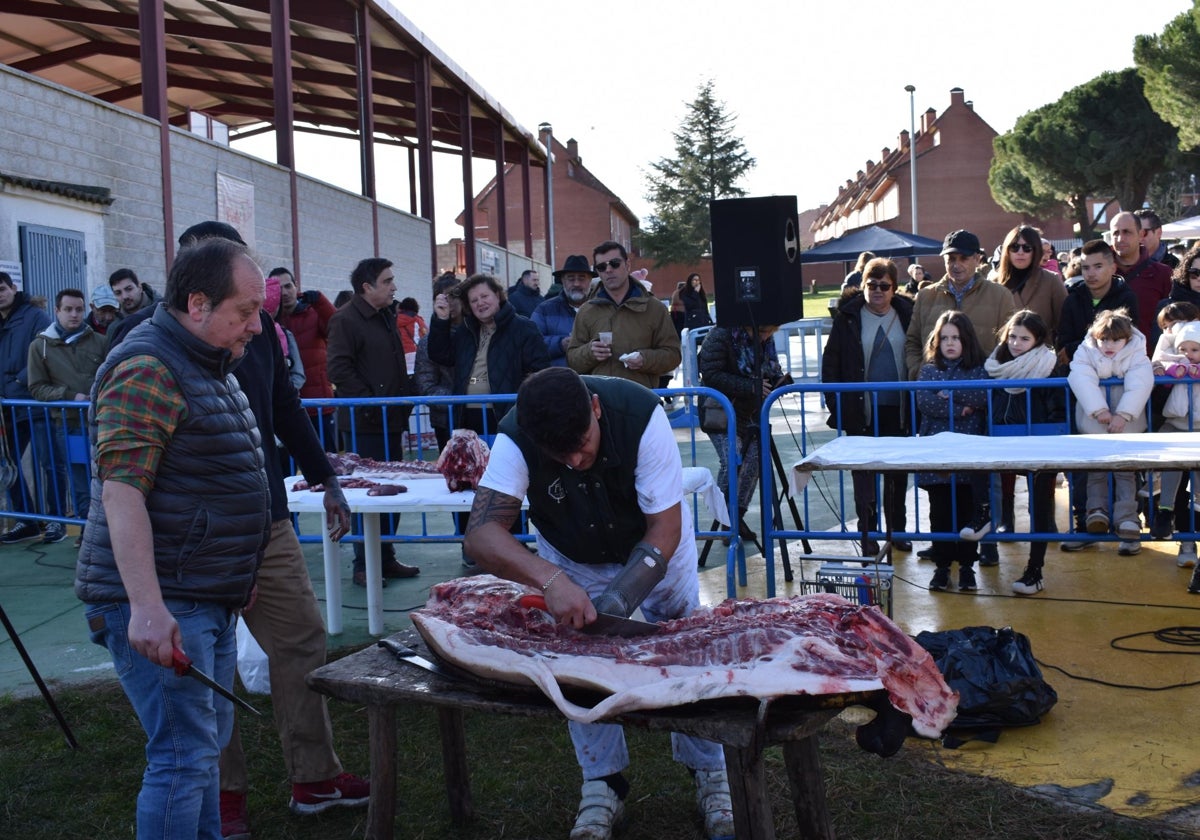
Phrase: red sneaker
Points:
(234, 825)
(346, 790)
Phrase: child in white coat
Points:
(1112, 349)
(1168, 361)
(1181, 413)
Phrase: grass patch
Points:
(524, 782)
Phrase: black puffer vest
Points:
(592, 516)
(210, 504)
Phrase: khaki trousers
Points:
(286, 621)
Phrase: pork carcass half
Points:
(813, 644)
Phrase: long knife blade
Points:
(403, 651)
(615, 625)
(184, 668)
(604, 625)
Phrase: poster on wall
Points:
(13, 270)
(235, 205)
(489, 261)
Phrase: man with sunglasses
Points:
(988, 305)
(639, 341)
(1151, 224)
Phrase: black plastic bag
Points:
(998, 681)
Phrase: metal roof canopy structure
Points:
(352, 69)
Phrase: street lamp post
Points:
(549, 131)
(912, 150)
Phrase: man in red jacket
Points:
(1149, 279)
(307, 315)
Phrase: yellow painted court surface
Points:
(1124, 746)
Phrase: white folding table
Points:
(953, 452)
(425, 494)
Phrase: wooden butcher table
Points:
(379, 680)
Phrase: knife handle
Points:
(534, 602)
(397, 648)
(180, 662)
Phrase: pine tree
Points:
(1170, 64)
(709, 160)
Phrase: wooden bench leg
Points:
(381, 812)
(803, 763)
(454, 763)
(748, 790)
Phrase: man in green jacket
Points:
(63, 359)
(987, 305)
(623, 331)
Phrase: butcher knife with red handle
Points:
(184, 668)
(604, 625)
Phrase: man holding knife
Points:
(598, 461)
(180, 514)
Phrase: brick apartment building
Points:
(586, 212)
(954, 154)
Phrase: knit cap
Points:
(1187, 332)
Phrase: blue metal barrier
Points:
(768, 489)
(23, 417)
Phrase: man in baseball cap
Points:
(104, 309)
(961, 242)
(964, 287)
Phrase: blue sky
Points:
(817, 89)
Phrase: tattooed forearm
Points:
(490, 506)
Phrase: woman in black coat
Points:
(860, 317)
(695, 303)
(491, 352)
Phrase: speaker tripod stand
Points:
(37, 678)
(776, 502)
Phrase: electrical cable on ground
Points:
(1184, 636)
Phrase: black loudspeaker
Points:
(756, 261)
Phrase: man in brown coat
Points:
(366, 359)
(988, 305)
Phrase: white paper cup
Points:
(605, 338)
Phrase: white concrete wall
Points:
(52, 133)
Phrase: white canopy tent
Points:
(1186, 228)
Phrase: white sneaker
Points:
(712, 797)
(600, 812)
(1129, 530)
(1187, 555)
(1128, 548)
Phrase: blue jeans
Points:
(50, 446)
(186, 724)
